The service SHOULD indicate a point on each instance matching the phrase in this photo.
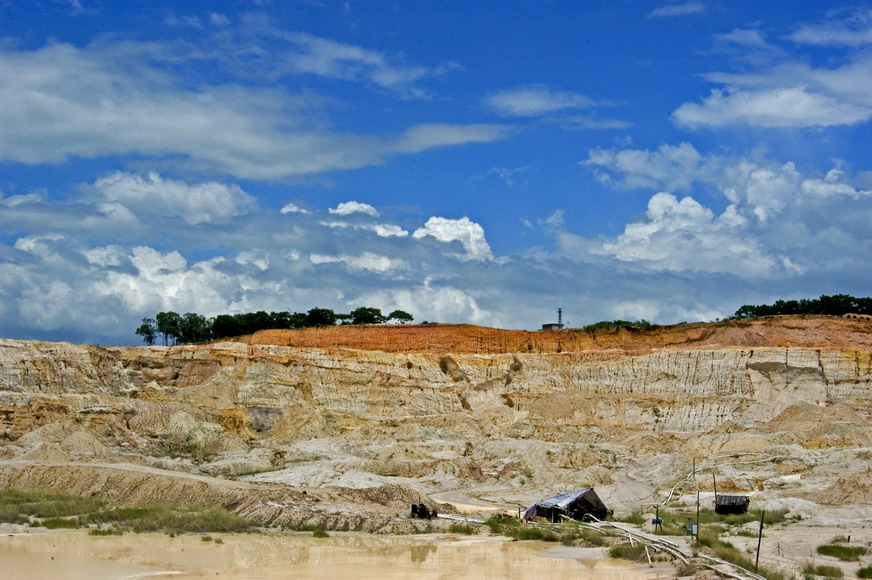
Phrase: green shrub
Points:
(844, 553)
(593, 537)
(612, 324)
(319, 532)
(528, 533)
(457, 528)
(865, 572)
(499, 524)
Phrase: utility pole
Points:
(759, 539)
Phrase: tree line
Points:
(173, 328)
(836, 305)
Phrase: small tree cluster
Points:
(836, 305)
(172, 328)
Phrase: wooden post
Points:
(759, 539)
(697, 515)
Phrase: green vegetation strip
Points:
(844, 553)
(55, 511)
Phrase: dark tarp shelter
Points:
(731, 504)
(583, 504)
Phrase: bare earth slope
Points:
(810, 331)
(348, 426)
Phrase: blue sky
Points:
(477, 162)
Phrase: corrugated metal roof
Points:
(564, 499)
(731, 499)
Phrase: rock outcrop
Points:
(478, 416)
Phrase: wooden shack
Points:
(583, 504)
(731, 504)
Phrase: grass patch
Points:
(635, 553)
(61, 511)
(709, 537)
(568, 533)
(582, 536)
(844, 553)
(105, 532)
(708, 516)
(865, 572)
(464, 529)
(317, 530)
(170, 520)
(59, 523)
(636, 517)
(825, 571)
(18, 506)
(527, 533)
(734, 556)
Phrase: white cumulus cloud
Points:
(772, 107)
(350, 207)
(293, 208)
(853, 29)
(365, 261)
(463, 230)
(120, 99)
(668, 167)
(434, 302)
(196, 204)
(684, 235)
(773, 88)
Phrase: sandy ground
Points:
(74, 555)
(796, 545)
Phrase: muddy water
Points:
(77, 556)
